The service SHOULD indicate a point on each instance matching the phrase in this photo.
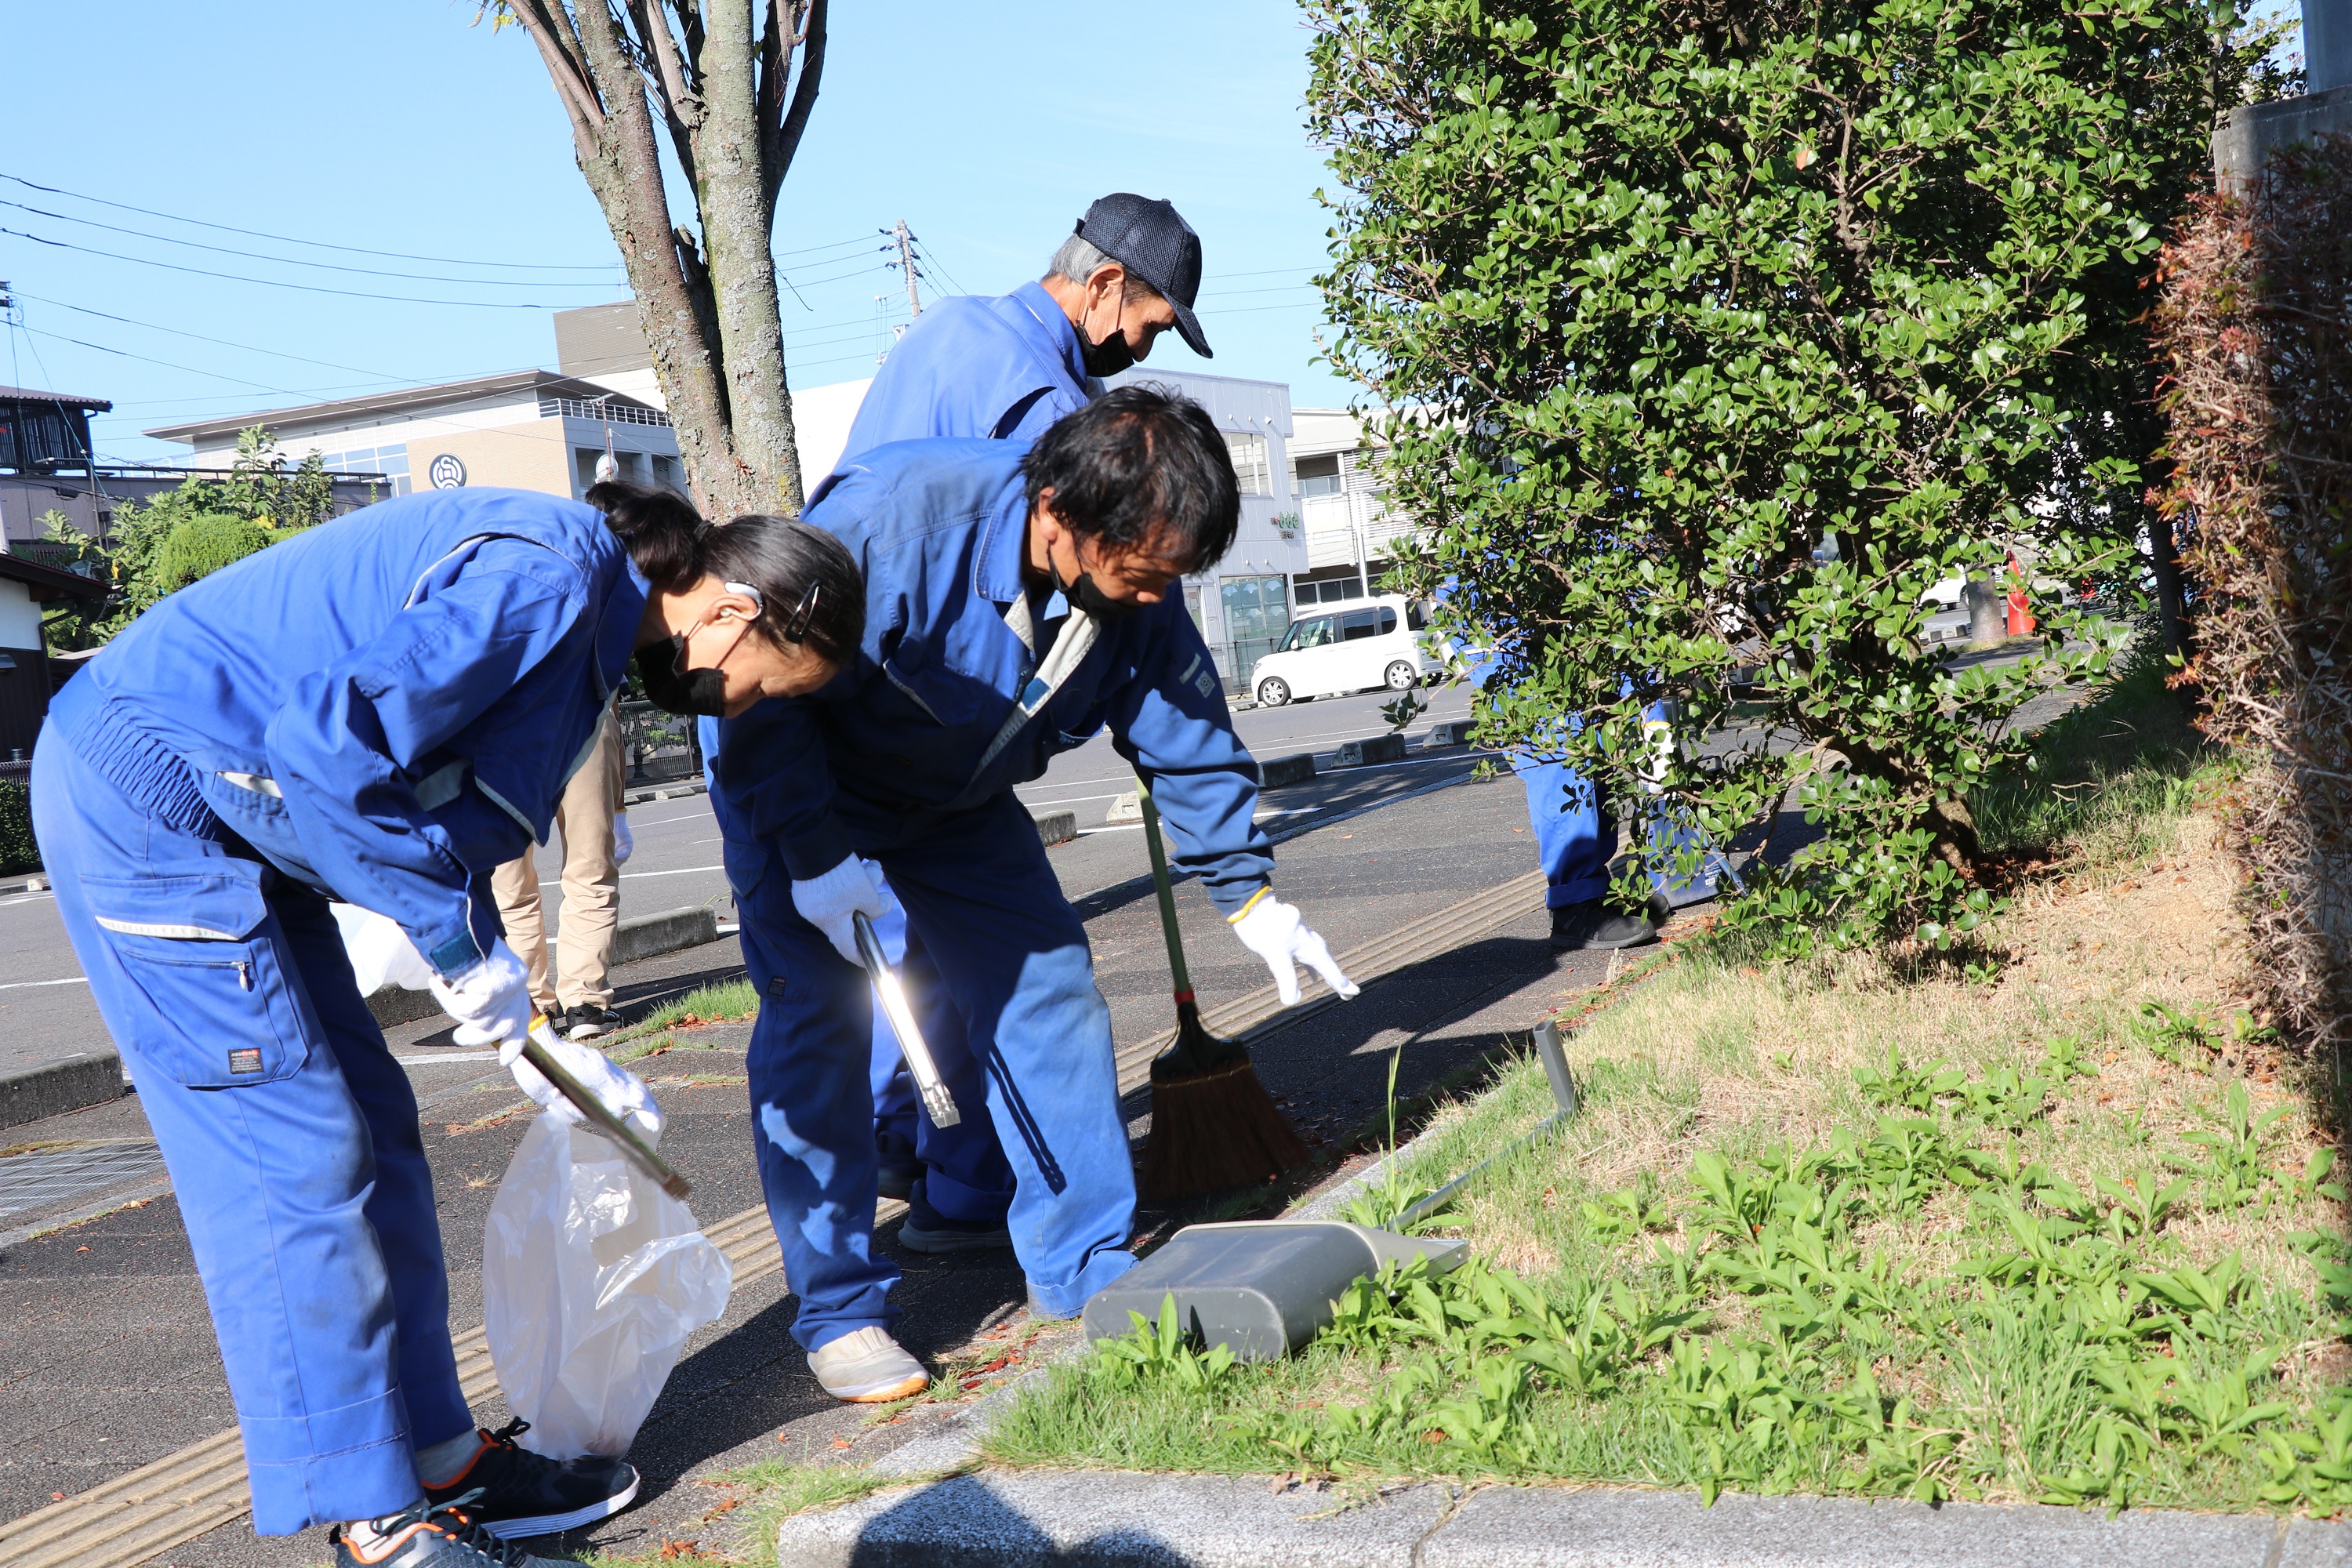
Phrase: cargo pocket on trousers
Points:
(222, 1011)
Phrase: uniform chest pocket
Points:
(930, 690)
(201, 947)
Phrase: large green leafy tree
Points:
(1678, 292)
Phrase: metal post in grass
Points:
(1563, 1095)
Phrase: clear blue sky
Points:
(401, 128)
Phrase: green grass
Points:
(2052, 1222)
(728, 1000)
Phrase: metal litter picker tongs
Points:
(937, 1101)
(596, 1111)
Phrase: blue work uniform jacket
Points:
(1003, 367)
(895, 741)
(383, 706)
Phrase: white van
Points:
(1347, 648)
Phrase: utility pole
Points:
(906, 265)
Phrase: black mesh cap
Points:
(1152, 241)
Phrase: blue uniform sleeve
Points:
(775, 788)
(773, 781)
(343, 746)
(1171, 722)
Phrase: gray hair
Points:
(1078, 259)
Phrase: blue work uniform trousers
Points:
(1574, 838)
(290, 1132)
(965, 1174)
(1003, 985)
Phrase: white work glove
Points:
(854, 887)
(491, 1001)
(1272, 929)
(624, 843)
(623, 1092)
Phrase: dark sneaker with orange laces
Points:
(516, 1492)
(434, 1535)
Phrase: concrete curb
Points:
(39, 882)
(1056, 827)
(52, 1088)
(1032, 1518)
(672, 789)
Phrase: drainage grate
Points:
(40, 1178)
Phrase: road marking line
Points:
(34, 984)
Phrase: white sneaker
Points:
(867, 1367)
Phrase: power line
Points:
(272, 283)
(314, 244)
(167, 364)
(223, 342)
(323, 266)
(347, 249)
(923, 252)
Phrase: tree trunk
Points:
(706, 302)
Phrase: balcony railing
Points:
(597, 409)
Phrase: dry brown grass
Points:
(1742, 1059)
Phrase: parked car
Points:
(1349, 647)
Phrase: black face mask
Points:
(689, 693)
(1107, 357)
(1085, 596)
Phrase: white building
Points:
(1350, 532)
(528, 429)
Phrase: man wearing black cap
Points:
(1007, 367)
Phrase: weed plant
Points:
(2041, 1220)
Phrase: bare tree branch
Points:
(550, 27)
(681, 107)
(787, 143)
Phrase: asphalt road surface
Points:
(47, 1015)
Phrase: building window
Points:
(1317, 475)
(1250, 463)
(583, 462)
(665, 473)
(1253, 606)
(1330, 591)
(389, 463)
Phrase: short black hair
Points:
(1140, 465)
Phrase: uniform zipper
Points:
(244, 974)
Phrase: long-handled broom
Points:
(1214, 1125)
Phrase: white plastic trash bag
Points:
(592, 1278)
(380, 951)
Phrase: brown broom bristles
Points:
(1214, 1125)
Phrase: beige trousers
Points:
(592, 887)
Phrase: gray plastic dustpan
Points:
(1260, 1288)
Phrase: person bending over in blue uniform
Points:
(1016, 605)
(382, 709)
(1007, 368)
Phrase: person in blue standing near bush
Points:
(1007, 368)
(1575, 832)
(382, 709)
(1019, 602)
